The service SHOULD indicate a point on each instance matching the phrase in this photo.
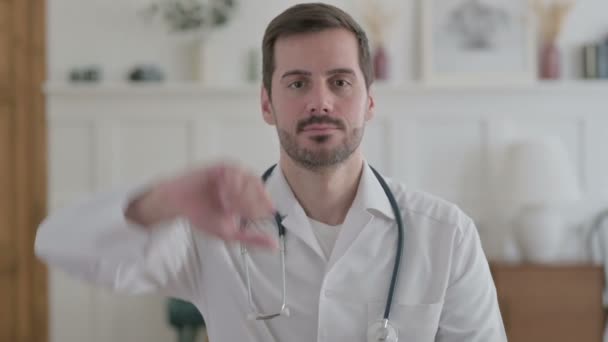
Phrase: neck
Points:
(326, 194)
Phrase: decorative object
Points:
(602, 60)
(590, 54)
(253, 67)
(146, 73)
(381, 63)
(539, 180)
(378, 21)
(90, 74)
(195, 19)
(595, 60)
(551, 16)
(477, 42)
(185, 318)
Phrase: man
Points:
(182, 237)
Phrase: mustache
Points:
(319, 119)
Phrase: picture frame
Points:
(477, 42)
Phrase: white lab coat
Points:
(444, 290)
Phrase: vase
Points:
(380, 62)
(550, 61)
(541, 234)
(196, 58)
(253, 66)
(200, 60)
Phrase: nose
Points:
(320, 101)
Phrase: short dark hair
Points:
(312, 17)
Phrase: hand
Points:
(214, 199)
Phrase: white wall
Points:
(93, 135)
(109, 34)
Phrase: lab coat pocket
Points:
(414, 322)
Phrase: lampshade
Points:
(539, 173)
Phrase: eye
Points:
(341, 83)
(296, 85)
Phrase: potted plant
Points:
(195, 19)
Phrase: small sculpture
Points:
(88, 74)
(146, 73)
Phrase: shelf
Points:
(193, 88)
(151, 88)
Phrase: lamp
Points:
(539, 181)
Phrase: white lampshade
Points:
(539, 173)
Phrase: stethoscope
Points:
(380, 330)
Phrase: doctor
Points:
(210, 236)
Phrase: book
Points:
(602, 60)
(590, 63)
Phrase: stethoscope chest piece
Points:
(381, 331)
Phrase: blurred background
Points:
(497, 105)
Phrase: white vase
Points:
(511, 250)
(200, 61)
(541, 234)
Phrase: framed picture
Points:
(477, 42)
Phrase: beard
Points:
(320, 157)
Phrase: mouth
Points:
(320, 124)
(323, 128)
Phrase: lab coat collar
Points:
(371, 195)
(370, 199)
(370, 202)
(294, 217)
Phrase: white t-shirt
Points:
(326, 235)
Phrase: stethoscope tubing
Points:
(400, 238)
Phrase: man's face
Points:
(319, 103)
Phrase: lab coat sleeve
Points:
(93, 241)
(470, 312)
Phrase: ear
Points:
(266, 107)
(371, 106)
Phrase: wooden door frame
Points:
(30, 168)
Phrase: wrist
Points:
(149, 208)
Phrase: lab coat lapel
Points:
(371, 200)
(356, 221)
(298, 224)
(294, 218)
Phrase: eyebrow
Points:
(341, 71)
(308, 73)
(296, 72)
